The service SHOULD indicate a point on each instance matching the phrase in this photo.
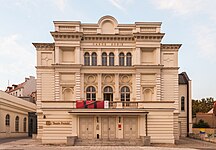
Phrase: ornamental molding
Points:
(170, 46)
(44, 45)
(59, 36)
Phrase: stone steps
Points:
(100, 142)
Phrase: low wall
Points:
(207, 130)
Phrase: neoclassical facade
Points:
(108, 81)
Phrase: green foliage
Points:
(204, 105)
(201, 124)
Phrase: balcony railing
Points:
(105, 104)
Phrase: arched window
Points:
(17, 124)
(91, 93)
(86, 59)
(24, 125)
(121, 59)
(111, 59)
(128, 59)
(104, 59)
(94, 59)
(108, 89)
(182, 103)
(7, 120)
(125, 95)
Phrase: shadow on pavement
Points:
(11, 139)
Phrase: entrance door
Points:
(86, 127)
(108, 94)
(130, 127)
(108, 125)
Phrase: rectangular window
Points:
(182, 103)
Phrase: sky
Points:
(191, 23)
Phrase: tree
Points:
(204, 105)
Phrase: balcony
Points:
(105, 104)
(110, 107)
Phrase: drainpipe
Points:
(187, 108)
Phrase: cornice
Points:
(149, 36)
(80, 36)
(170, 46)
(149, 66)
(67, 36)
(108, 37)
(44, 45)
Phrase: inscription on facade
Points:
(108, 44)
(58, 123)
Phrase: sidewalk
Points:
(29, 144)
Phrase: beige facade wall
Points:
(63, 78)
(13, 106)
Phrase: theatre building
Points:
(110, 82)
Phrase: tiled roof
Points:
(183, 78)
(18, 87)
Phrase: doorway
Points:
(108, 95)
(108, 127)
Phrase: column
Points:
(57, 56)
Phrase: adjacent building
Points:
(111, 82)
(14, 116)
(25, 90)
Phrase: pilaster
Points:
(57, 86)
(117, 87)
(78, 85)
(99, 87)
(77, 55)
(116, 57)
(99, 55)
(57, 56)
